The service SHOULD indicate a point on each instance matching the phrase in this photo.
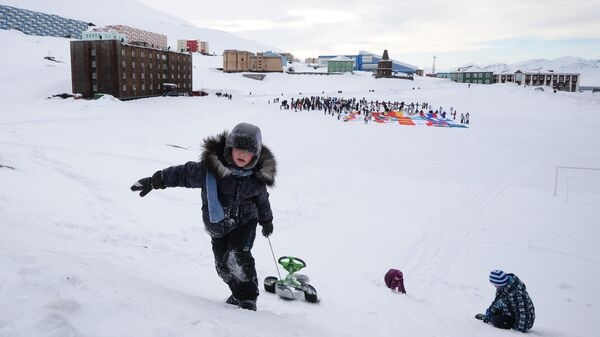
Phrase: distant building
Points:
(538, 77)
(549, 78)
(366, 61)
(239, 60)
(340, 64)
(236, 60)
(127, 71)
(103, 35)
(138, 36)
(268, 62)
(289, 57)
(469, 74)
(204, 47)
(311, 60)
(194, 46)
(40, 24)
(384, 67)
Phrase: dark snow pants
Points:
(235, 264)
(502, 321)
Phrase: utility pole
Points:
(433, 68)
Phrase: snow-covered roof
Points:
(543, 71)
(473, 69)
(340, 58)
(364, 52)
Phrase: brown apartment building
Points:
(237, 61)
(127, 71)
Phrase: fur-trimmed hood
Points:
(213, 156)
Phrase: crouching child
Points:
(511, 308)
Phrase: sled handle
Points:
(291, 264)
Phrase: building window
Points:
(142, 76)
(141, 54)
(133, 65)
(132, 53)
(124, 75)
(95, 88)
(93, 51)
(133, 76)
(93, 64)
(122, 52)
(143, 87)
(123, 63)
(124, 87)
(94, 75)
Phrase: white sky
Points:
(456, 32)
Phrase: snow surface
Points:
(81, 255)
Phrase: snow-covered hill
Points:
(81, 255)
(137, 14)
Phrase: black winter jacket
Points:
(244, 199)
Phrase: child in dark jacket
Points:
(512, 308)
(234, 171)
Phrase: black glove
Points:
(480, 317)
(145, 185)
(267, 229)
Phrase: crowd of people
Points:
(341, 107)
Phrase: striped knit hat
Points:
(498, 278)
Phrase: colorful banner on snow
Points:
(431, 119)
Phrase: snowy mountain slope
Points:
(137, 14)
(81, 255)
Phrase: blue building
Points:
(366, 61)
(40, 24)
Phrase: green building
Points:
(340, 64)
(469, 74)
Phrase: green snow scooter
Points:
(293, 286)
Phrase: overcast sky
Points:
(413, 31)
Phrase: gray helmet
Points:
(244, 136)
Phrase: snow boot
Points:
(248, 305)
(232, 300)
